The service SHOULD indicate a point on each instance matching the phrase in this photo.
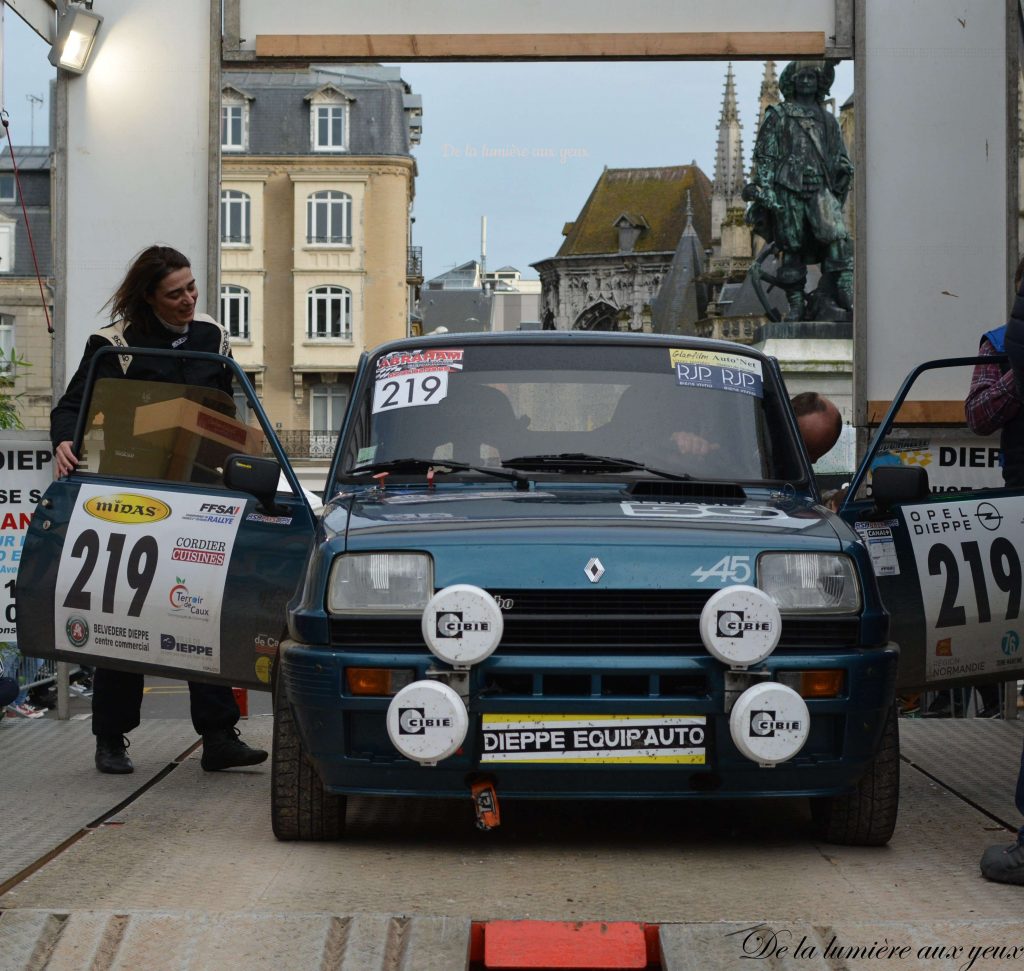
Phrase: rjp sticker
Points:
(718, 371)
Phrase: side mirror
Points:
(892, 484)
(256, 476)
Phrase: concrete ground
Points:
(177, 875)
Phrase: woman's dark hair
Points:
(144, 275)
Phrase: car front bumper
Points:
(347, 740)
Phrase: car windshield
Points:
(572, 409)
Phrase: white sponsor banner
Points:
(969, 566)
(26, 469)
(594, 738)
(959, 464)
(142, 575)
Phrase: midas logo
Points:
(128, 508)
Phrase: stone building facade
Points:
(317, 181)
(23, 308)
(609, 270)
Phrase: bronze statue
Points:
(800, 177)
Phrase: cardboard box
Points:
(181, 416)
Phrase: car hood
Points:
(548, 536)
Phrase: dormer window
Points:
(629, 227)
(329, 119)
(234, 120)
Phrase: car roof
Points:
(572, 337)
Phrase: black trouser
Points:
(117, 702)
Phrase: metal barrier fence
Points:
(37, 674)
(34, 672)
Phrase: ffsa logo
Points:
(734, 623)
(451, 624)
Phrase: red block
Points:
(242, 699)
(521, 944)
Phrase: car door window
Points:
(163, 432)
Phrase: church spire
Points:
(770, 93)
(729, 110)
(728, 180)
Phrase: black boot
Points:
(797, 305)
(223, 749)
(111, 755)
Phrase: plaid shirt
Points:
(993, 399)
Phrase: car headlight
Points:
(380, 583)
(809, 582)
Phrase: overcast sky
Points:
(519, 143)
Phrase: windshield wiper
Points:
(442, 465)
(582, 462)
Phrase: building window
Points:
(234, 217)
(7, 247)
(6, 343)
(329, 128)
(327, 409)
(329, 313)
(233, 128)
(329, 218)
(7, 187)
(234, 310)
(242, 411)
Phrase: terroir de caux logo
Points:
(127, 508)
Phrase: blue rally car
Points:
(548, 564)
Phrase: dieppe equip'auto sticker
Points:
(141, 575)
(969, 566)
(594, 738)
(717, 370)
(408, 379)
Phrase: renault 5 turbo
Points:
(548, 565)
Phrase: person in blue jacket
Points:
(994, 403)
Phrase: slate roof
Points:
(30, 158)
(465, 271)
(34, 171)
(453, 309)
(279, 111)
(658, 195)
(679, 302)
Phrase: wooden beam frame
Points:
(539, 47)
(919, 413)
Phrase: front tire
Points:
(300, 809)
(866, 815)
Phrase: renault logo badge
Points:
(594, 570)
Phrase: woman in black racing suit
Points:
(154, 307)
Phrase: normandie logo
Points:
(127, 508)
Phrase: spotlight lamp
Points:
(77, 27)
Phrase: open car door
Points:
(946, 540)
(175, 546)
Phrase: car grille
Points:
(596, 622)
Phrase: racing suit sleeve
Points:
(64, 416)
(993, 399)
